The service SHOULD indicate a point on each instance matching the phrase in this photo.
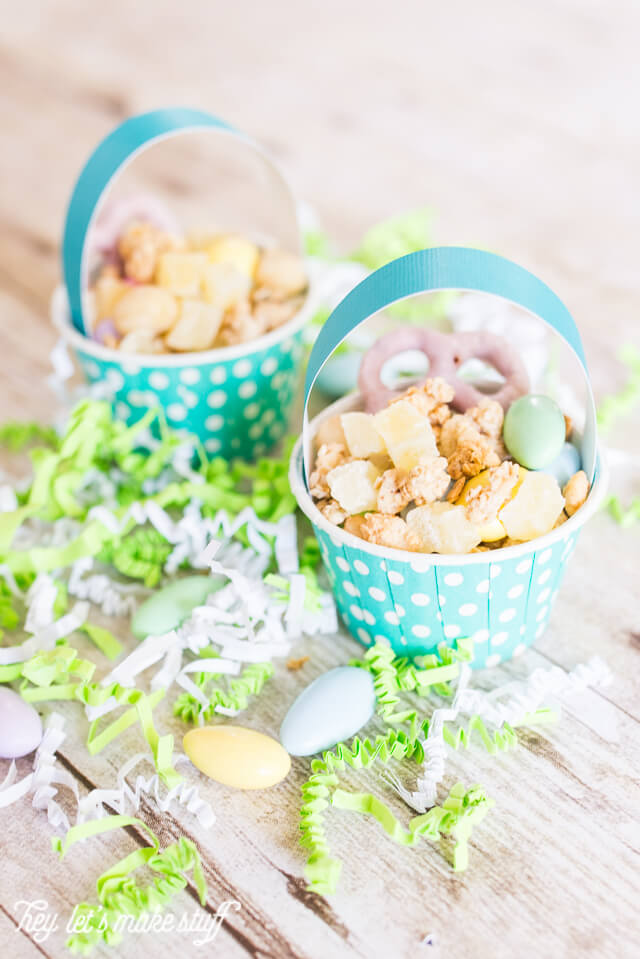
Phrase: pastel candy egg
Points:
(236, 756)
(20, 726)
(333, 708)
(565, 465)
(534, 430)
(339, 375)
(169, 607)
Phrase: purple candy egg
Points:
(20, 726)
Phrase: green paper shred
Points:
(95, 827)
(310, 555)
(59, 674)
(460, 812)
(395, 237)
(122, 900)
(618, 405)
(317, 243)
(104, 640)
(624, 516)
(236, 696)
(141, 554)
(9, 615)
(17, 435)
(391, 677)
(96, 444)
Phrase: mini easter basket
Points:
(236, 399)
(501, 598)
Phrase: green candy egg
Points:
(167, 608)
(534, 431)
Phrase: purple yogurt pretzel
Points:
(446, 353)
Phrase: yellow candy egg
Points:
(493, 530)
(236, 756)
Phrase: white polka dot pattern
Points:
(420, 599)
(416, 605)
(468, 609)
(214, 423)
(222, 403)
(158, 380)
(454, 579)
(176, 411)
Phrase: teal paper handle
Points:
(450, 268)
(109, 158)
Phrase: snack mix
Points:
(419, 476)
(168, 294)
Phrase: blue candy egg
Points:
(333, 708)
(566, 463)
(339, 375)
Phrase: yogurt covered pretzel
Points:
(446, 353)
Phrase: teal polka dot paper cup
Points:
(236, 399)
(501, 598)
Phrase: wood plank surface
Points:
(519, 125)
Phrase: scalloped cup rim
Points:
(59, 310)
(311, 511)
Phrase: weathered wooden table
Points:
(519, 126)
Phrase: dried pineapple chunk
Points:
(361, 435)
(196, 328)
(407, 434)
(145, 308)
(534, 509)
(491, 529)
(236, 251)
(224, 285)
(353, 486)
(181, 273)
(330, 432)
(282, 273)
(443, 528)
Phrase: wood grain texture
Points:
(519, 126)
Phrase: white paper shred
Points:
(242, 620)
(245, 620)
(8, 499)
(126, 799)
(509, 703)
(425, 794)
(61, 364)
(41, 623)
(114, 599)
(42, 784)
(7, 574)
(44, 779)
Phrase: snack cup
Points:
(501, 598)
(236, 399)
